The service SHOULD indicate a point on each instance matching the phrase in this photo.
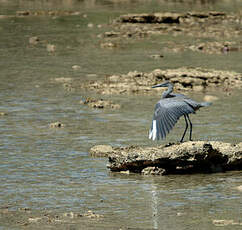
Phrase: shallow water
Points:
(46, 168)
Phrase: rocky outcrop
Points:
(222, 30)
(151, 18)
(99, 103)
(183, 158)
(183, 78)
(197, 24)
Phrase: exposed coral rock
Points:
(211, 24)
(183, 78)
(150, 18)
(184, 158)
(99, 103)
(101, 150)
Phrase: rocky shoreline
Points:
(183, 158)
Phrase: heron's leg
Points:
(185, 129)
(190, 138)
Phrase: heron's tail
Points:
(153, 131)
(205, 104)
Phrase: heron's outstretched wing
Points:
(167, 112)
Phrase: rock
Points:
(100, 150)
(91, 214)
(153, 171)
(63, 79)
(197, 79)
(3, 114)
(150, 18)
(22, 13)
(100, 103)
(33, 40)
(76, 67)
(69, 215)
(157, 56)
(209, 25)
(239, 188)
(56, 125)
(221, 223)
(90, 25)
(50, 48)
(183, 158)
(34, 220)
(108, 45)
(215, 47)
(210, 98)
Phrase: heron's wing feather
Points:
(167, 113)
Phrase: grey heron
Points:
(169, 109)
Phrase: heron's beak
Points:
(159, 85)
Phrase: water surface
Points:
(46, 168)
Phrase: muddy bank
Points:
(183, 79)
(222, 28)
(183, 158)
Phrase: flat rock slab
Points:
(185, 158)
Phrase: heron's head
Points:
(164, 84)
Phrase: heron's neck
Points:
(168, 91)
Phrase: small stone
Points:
(33, 40)
(90, 25)
(22, 13)
(56, 125)
(34, 220)
(63, 79)
(157, 56)
(3, 114)
(210, 98)
(108, 45)
(221, 223)
(239, 188)
(50, 48)
(69, 214)
(76, 67)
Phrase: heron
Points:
(169, 109)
